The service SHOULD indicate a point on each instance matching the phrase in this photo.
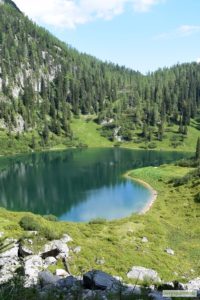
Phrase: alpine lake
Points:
(78, 184)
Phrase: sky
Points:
(140, 34)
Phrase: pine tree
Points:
(198, 149)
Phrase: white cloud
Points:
(198, 60)
(70, 13)
(182, 31)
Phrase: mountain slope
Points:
(44, 82)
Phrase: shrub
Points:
(197, 197)
(29, 223)
(98, 221)
(50, 234)
(117, 144)
(50, 218)
(152, 145)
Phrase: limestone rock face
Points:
(9, 261)
(32, 266)
(142, 273)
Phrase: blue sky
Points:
(141, 34)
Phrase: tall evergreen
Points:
(198, 149)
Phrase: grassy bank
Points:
(89, 132)
(172, 222)
(86, 132)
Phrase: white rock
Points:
(1, 234)
(66, 238)
(50, 261)
(100, 261)
(145, 239)
(193, 284)
(141, 273)
(169, 251)
(32, 266)
(77, 250)
(11, 253)
(61, 272)
(60, 245)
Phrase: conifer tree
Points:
(198, 149)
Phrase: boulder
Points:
(141, 273)
(47, 278)
(1, 234)
(99, 280)
(67, 282)
(169, 251)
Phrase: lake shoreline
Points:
(154, 193)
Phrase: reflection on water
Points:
(77, 185)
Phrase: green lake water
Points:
(78, 185)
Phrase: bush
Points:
(50, 218)
(152, 145)
(197, 198)
(98, 221)
(29, 223)
(117, 144)
(50, 234)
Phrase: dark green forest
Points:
(44, 83)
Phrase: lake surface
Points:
(78, 185)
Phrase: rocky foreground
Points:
(34, 271)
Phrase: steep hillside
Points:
(44, 83)
(44, 79)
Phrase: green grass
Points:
(173, 222)
(87, 131)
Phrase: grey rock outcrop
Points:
(9, 261)
(99, 280)
(141, 273)
(58, 246)
(32, 266)
(47, 278)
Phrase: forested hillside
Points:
(44, 83)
